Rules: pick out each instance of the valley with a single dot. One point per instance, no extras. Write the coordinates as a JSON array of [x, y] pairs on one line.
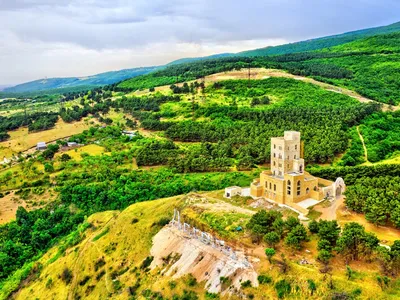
[[90, 215]]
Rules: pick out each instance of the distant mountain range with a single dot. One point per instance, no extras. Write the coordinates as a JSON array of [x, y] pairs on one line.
[[2, 87], [62, 85], [74, 82]]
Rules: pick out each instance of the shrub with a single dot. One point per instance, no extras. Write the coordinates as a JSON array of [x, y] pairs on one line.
[[99, 263], [66, 275], [246, 284], [191, 281], [84, 280], [282, 288], [172, 284], [146, 263], [313, 226], [49, 283], [264, 279]]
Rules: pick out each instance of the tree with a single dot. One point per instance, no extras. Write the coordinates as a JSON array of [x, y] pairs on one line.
[[313, 226], [48, 167], [349, 272], [291, 223], [311, 286], [262, 222], [324, 256], [355, 241], [383, 281], [271, 238], [324, 245], [269, 252], [296, 236], [65, 157], [329, 231]]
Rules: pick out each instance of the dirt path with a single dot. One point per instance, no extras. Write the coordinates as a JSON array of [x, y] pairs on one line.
[[362, 141], [329, 213]]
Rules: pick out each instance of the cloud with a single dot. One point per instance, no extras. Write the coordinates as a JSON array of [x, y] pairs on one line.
[[80, 37]]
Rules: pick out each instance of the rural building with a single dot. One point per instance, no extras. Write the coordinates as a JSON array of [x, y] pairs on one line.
[[287, 183], [72, 144], [233, 191], [41, 146], [131, 134]]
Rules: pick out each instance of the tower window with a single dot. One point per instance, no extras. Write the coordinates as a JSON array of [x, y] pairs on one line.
[[294, 156], [298, 188], [275, 187], [307, 191], [266, 184], [274, 146], [289, 187], [270, 185], [295, 147], [274, 155]]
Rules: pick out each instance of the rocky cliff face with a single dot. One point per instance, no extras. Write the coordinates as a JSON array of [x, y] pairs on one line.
[[179, 253]]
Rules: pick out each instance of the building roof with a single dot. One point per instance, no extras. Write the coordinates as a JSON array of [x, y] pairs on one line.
[[41, 144]]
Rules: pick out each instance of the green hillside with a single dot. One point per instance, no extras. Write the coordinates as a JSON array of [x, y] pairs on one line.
[[324, 42]]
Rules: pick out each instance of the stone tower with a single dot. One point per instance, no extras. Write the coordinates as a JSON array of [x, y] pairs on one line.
[[285, 154]]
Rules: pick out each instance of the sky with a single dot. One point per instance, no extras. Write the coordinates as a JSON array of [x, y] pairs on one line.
[[61, 38]]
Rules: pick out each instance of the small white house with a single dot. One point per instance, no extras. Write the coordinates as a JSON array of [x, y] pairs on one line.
[[41, 146], [72, 144], [131, 134], [232, 191]]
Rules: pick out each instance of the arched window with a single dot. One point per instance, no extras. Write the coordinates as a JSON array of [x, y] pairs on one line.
[[294, 156], [274, 146], [289, 188], [315, 188], [307, 190], [301, 169], [298, 188], [275, 187], [274, 163], [266, 184], [270, 185]]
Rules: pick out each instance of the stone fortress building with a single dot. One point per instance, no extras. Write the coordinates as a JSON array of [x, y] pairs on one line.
[[287, 183]]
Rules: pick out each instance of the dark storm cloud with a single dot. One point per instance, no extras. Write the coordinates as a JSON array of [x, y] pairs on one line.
[[58, 38]]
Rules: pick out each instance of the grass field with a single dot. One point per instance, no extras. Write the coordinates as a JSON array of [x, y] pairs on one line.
[[21, 140], [10, 203], [92, 149]]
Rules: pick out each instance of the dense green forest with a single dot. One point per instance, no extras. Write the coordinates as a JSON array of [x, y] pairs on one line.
[[321, 43], [381, 132], [369, 66], [376, 197]]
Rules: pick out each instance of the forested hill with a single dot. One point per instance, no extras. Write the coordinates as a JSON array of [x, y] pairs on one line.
[[74, 82], [324, 42]]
